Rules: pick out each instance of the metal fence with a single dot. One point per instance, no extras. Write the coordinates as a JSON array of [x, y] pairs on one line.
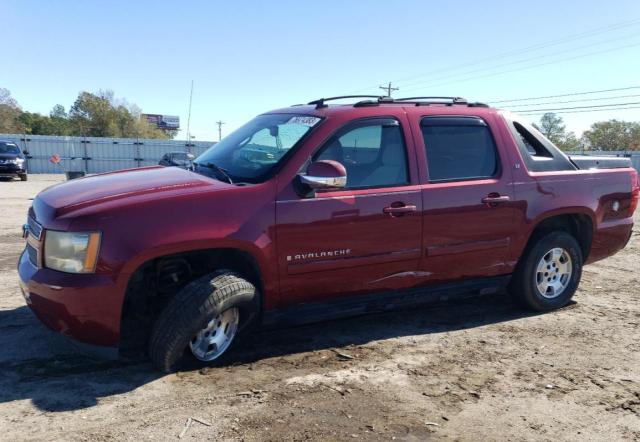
[[94, 154], [632, 155]]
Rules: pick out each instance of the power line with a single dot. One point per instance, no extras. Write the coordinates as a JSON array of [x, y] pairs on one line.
[[572, 94], [530, 113], [524, 60], [537, 46], [574, 101], [583, 107], [528, 67], [531, 48]]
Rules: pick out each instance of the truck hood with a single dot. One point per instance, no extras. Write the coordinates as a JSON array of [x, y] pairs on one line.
[[143, 183]]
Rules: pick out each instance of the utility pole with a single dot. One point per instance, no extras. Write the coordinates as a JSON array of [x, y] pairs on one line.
[[220, 123], [189, 119], [389, 89]]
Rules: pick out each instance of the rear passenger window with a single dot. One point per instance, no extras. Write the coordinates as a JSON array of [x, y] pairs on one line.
[[459, 148]]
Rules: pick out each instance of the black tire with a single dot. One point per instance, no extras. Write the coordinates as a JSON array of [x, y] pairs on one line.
[[190, 310], [23, 177], [523, 286]]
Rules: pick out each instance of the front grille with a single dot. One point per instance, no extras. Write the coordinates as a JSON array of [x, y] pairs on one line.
[[33, 254], [34, 228]]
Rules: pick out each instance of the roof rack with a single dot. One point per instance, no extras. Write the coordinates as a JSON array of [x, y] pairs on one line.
[[375, 100], [320, 103]]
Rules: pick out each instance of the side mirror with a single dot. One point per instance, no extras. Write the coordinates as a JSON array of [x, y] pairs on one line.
[[26, 152], [325, 174]]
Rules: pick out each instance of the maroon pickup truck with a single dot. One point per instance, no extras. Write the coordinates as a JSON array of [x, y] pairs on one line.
[[318, 211]]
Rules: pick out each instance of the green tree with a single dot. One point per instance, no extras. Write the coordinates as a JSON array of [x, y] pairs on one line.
[[613, 135], [9, 113], [101, 115], [97, 115], [570, 143], [59, 121], [552, 126]]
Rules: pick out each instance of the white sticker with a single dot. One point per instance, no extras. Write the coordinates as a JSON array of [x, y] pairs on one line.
[[304, 120]]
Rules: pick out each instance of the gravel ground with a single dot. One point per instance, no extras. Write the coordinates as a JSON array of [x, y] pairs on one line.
[[472, 370]]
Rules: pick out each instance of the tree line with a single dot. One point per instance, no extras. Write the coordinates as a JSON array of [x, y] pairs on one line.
[[102, 115], [602, 135], [98, 114]]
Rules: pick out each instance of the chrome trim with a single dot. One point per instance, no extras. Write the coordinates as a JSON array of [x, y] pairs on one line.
[[323, 182], [35, 228], [33, 254]]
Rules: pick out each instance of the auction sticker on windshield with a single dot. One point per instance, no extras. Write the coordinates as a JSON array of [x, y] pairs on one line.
[[304, 120]]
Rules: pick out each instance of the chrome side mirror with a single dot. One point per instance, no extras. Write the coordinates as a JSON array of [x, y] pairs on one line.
[[325, 174]]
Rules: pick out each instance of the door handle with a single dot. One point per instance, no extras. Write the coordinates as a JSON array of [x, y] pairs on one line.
[[493, 198], [396, 210]]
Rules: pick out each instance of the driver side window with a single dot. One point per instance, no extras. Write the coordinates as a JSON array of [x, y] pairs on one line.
[[372, 151]]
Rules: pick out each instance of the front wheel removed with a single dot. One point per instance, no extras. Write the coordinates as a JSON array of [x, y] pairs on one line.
[[200, 323]]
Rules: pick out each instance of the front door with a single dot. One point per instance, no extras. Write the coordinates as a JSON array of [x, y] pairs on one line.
[[363, 238]]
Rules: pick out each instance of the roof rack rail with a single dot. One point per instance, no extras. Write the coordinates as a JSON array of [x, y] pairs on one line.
[[320, 103], [375, 100], [454, 100], [380, 100]]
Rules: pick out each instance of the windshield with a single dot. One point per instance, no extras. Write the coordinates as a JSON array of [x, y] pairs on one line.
[[250, 152], [9, 148]]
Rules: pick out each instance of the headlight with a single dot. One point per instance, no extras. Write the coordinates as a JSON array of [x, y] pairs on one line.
[[71, 252]]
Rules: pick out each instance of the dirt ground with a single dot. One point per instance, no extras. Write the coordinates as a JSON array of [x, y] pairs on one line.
[[472, 370]]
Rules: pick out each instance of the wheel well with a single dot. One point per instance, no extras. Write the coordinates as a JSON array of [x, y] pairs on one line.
[[579, 226], [156, 281]]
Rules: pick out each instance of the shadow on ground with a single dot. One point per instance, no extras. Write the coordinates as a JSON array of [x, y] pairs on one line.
[[57, 378]]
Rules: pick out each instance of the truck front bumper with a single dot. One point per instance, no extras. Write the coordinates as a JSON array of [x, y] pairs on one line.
[[84, 308]]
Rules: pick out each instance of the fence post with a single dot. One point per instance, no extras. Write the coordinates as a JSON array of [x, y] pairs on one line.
[[26, 156], [85, 155]]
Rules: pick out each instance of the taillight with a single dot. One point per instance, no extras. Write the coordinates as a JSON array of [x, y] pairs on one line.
[[635, 192]]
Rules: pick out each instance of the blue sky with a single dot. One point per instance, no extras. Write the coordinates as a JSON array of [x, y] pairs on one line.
[[246, 57]]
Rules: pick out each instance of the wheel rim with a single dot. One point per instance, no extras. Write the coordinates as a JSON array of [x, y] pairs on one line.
[[553, 273], [214, 339]]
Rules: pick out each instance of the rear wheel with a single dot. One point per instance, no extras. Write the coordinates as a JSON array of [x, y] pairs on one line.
[[23, 177], [199, 324], [549, 272]]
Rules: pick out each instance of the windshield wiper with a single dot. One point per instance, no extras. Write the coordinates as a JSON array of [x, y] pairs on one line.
[[222, 171]]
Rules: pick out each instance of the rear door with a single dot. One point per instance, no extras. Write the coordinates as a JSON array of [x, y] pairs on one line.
[[468, 220], [360, 239]]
